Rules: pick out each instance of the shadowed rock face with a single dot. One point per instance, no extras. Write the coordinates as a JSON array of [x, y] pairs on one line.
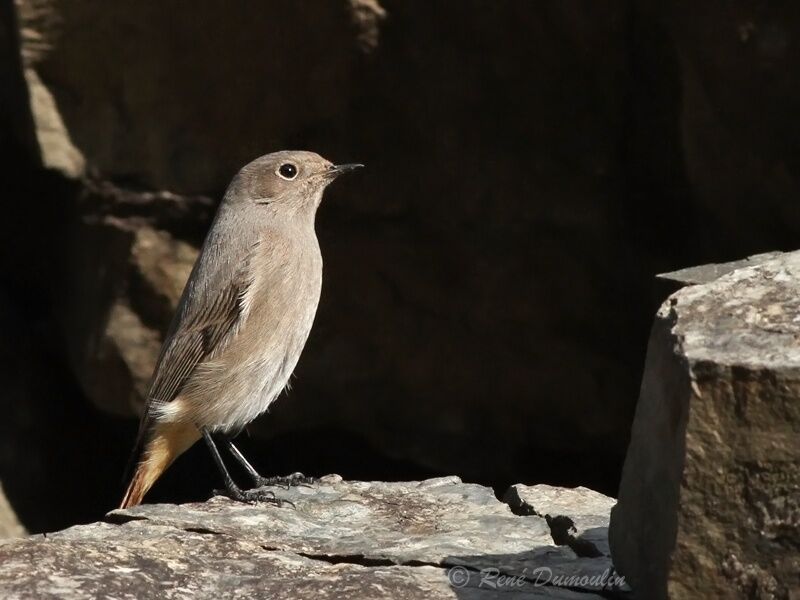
[[438, 538], [488, 277], [708, 504]]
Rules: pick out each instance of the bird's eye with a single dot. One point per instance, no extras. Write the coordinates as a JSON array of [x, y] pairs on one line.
[[287, 171]]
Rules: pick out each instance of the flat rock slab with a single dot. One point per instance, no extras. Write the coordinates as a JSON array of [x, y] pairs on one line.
[[439, 538], [711, 272]]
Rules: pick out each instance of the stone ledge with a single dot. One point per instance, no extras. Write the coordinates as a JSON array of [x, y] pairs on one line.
[[439, 538]]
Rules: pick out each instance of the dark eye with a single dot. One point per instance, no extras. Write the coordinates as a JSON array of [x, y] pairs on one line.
[[287, 171]]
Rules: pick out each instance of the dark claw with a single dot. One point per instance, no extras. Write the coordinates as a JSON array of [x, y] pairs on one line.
[[287, 481], [254, 496]]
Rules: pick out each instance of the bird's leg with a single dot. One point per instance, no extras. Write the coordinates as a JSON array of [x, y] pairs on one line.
[[251, 470], [232, 490], [259, 480]]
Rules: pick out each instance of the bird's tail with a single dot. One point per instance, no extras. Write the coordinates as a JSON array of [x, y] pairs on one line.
[[163, 444]]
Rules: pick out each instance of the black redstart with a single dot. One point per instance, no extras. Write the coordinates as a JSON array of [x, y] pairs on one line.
[[242, 321]]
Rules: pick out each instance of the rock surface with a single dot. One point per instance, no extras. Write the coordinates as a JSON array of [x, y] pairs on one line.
[[710, 272], [709, 504], [577, 517], [438, 538]]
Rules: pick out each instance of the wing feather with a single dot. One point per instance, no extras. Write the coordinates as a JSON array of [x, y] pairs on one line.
[[206, 318], [194, 334], [192, 342]]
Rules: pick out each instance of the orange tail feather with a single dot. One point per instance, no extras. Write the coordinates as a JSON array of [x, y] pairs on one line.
[[166, 443]]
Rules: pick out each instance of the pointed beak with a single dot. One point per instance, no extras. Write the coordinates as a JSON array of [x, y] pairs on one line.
[[337, 170]]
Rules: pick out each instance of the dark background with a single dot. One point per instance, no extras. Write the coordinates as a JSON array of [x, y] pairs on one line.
[[489, 280]]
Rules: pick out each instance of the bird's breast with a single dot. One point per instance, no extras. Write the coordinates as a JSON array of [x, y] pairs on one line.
[[281, 301]]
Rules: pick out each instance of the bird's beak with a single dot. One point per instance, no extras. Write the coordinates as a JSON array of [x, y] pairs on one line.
[[336, 170]]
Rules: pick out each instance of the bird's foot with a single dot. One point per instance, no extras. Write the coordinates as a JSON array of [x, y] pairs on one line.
[[286, 481], [253, 496]]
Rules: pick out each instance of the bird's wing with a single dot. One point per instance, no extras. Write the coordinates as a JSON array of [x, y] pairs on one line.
[[206, 317], [194, 338]]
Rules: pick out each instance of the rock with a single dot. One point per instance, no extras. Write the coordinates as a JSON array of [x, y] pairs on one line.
[[577, 517], [669, 283], [708, 273], [10, 527], [368, 16], [55, 146], [438, 538], [709, 504], [127, 272]]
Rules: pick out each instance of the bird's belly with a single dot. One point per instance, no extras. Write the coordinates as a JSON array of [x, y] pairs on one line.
[[252, 390], [232, 389]]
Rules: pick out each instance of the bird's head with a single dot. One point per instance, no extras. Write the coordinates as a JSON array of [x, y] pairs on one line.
[[291, 179]]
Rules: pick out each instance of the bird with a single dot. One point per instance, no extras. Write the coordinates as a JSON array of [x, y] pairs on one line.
[[241, 323]]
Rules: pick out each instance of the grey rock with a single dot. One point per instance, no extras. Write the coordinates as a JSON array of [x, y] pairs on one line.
[[577, 517], [709, 504], [439, 538], [710, 272]]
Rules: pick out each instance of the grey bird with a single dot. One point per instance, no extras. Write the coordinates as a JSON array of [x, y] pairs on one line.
[[242, 321]]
